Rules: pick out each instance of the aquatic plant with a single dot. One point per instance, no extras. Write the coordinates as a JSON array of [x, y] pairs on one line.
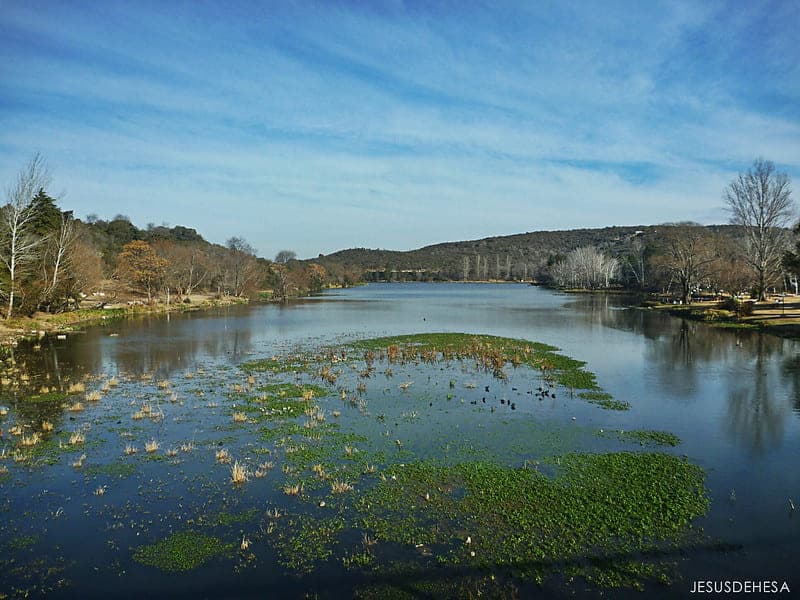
[[239, 417], [47, 426], [130, 449], [293, 489], [93, 396], [181, 551], [75, 407], [222, 456], [239, 473], [30, 440], [77, 438], [151, 446], [340, 487]]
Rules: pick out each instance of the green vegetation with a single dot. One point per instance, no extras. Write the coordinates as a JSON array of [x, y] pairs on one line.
[[275, 365], [645, 437], [181, 551], [492, 352], [598, 507], [604, 400]]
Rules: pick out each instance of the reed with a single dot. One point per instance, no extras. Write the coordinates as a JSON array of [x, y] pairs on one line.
[[238, 473]]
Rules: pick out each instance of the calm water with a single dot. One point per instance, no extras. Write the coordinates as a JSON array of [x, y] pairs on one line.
[[732, 397]]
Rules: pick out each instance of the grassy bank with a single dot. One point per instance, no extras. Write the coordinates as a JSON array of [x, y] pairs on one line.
[[770, 316], [40, 324]]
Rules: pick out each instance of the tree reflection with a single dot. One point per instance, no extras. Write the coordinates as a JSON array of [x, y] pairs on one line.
[[756, 414]]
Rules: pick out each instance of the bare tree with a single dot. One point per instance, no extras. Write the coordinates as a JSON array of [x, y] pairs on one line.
[[586, 268], [636, 261], [62, 243], [284, 256], [16, 232], [466, 268], [760, 200], [242, 266], [688, 257]]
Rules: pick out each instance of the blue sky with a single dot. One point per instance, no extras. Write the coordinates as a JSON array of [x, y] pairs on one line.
[[322, 126]]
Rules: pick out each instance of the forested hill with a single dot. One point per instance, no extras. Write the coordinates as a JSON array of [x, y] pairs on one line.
[[519, 256]]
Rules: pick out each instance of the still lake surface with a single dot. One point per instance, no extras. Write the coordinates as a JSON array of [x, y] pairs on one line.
[[733, 398]]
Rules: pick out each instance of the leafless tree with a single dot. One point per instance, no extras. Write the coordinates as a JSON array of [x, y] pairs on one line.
[[760, 200], [688, 257], [284, 256], [466, 268], [16, 235], [242, 269], [61, 248], [636, 261], [585, 267]]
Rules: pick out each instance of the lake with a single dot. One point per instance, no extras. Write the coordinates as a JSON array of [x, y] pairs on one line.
[[732, 397]]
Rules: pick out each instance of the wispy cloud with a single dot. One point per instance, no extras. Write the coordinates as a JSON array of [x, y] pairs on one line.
[[319, 126]]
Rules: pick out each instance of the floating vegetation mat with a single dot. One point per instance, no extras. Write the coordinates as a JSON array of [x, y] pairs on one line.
[[441, 465]]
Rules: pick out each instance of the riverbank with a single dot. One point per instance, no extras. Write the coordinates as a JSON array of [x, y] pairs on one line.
[[40, 324], [776, 315]]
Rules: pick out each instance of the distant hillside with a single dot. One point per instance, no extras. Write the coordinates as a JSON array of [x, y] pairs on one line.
[[519, 256]]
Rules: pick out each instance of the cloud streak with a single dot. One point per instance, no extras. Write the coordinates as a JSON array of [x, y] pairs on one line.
[[322, 126]]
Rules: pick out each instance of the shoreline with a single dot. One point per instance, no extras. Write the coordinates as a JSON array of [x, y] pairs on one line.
[[39, 325], [781, 320], [774, 318]]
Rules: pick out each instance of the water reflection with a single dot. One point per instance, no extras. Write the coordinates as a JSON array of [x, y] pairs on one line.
[[754, 379]]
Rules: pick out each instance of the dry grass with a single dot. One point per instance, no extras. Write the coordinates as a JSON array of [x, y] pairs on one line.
[[100, 490], [239, 417], [138, 415], [78, 464], [113, 382], [187, 447], [336, 414], [163, 384], [30, 440], [293, 490], [76, 388], [130, 449], [308, 395], [3, 411], [77, 438], [239, 473], [341, 487], [15, 430], [171, 452], [94, 396], [76, 407], [251, 380], [245, 544], [223, 456], [47, 426], [151, 446]]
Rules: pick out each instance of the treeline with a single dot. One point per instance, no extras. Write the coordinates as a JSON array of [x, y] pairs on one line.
[[753, 253], [52, 261]]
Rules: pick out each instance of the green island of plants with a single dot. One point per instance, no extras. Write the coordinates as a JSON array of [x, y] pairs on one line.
[[181, 551]]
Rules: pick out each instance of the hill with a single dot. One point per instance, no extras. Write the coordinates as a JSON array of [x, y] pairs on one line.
[[520, 256]]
